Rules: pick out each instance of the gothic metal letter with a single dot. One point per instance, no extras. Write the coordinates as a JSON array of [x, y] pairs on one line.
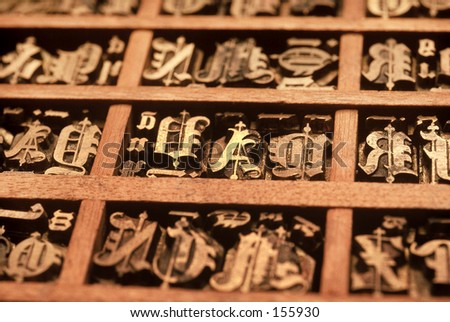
[[129, 248], [172, 63], [391, 63], [395, 145], [76, 145], [236, 153]]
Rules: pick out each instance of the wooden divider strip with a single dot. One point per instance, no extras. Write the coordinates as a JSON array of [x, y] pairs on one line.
[[205, 191], [211, 23], [77, 261], [92, 212], [9, 291], [109, 149], [353, 9], [149, 8], [336, 265], [250, 97], [135, 58]]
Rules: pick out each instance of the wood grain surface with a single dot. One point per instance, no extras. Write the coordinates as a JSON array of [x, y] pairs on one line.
[[228, 192], [110, 146], [250, 97], [335, 278], [135, 58], [85, 238], [211, 23], [54, 292]]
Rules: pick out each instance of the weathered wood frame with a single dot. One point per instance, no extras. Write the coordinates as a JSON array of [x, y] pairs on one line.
[[340, 195]]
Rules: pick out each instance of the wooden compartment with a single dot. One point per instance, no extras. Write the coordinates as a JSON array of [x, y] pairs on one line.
[[339, 196]]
